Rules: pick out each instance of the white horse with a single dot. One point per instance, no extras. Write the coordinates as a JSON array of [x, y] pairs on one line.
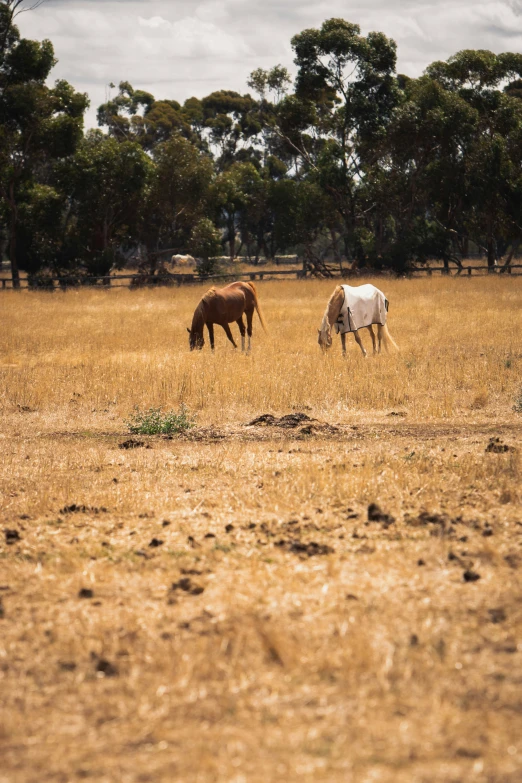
[[351, 308], [179, 260]]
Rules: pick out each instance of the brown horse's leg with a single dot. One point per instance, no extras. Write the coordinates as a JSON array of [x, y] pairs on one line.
[[359, 343], [228, 333], [243, 331], [374, 344], [210, 328], [250, 316], [343, 342]]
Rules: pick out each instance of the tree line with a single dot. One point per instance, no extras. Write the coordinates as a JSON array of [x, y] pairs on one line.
[[349, 163]]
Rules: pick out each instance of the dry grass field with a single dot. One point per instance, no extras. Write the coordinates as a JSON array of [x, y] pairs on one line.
[[228, 606]]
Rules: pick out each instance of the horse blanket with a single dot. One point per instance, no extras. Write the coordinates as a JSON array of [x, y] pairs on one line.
[[363, 305]]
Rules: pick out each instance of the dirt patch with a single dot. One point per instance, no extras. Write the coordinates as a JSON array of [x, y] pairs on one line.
[[134, 444], [12, 536], [76, 508], [497, 446], [103, 667], [376, 514], [187, 585], [309, 549]]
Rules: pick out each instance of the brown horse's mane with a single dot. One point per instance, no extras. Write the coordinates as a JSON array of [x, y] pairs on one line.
[[200, 313]]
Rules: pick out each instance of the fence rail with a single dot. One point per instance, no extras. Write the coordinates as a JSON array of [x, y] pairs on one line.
[[138, 281]]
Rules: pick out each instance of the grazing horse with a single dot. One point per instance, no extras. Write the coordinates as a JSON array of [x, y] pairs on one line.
[[223, 306], [351, 308], [179, 260]]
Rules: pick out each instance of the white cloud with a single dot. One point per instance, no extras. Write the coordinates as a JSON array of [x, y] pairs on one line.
[[212, 11], [153, 22]]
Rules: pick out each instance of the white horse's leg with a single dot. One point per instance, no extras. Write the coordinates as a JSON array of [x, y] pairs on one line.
[[374, 344], [343, 343], [379, 335], [359, 343]]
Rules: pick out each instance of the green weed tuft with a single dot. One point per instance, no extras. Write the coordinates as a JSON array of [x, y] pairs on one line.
[[154, 422]]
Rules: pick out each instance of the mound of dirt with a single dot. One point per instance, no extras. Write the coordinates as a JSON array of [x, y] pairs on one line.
[[301, 422], [291, 420]]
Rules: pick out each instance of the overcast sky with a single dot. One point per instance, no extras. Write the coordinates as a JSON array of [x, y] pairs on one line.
[[179, 48]]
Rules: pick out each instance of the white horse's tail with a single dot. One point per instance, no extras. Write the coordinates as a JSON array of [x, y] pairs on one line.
[[387, 338]]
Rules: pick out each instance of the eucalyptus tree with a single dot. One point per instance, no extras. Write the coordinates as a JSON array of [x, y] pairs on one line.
[[136, 115], [236, 194], [230, 124], [345, 94], [106, 183], [177, 196], [38, 123], [492, 160], [418, 184]]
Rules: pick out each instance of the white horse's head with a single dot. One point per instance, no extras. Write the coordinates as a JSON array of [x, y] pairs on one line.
[[325, 337]]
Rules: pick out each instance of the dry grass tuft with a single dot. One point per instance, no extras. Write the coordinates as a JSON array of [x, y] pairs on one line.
[[220, 606]]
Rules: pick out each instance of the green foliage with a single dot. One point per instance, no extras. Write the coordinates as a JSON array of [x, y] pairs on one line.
[[135, 115], [178, 194], [38, 125], [205, 242], [154, 422], [106, 181], [277, 81]]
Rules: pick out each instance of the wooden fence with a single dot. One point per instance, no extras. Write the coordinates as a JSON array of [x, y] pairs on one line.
[[137, 281]]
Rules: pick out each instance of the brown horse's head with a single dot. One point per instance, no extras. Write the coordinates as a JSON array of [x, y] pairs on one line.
[[196, 340], [325, 339]]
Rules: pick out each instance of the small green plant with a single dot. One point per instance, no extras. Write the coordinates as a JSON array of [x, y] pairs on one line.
[[156, 422], [517, 407]]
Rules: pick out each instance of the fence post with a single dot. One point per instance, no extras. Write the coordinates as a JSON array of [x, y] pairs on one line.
[[469, 271]]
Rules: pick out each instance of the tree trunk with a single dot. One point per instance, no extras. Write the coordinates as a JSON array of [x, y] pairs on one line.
[[232, 241], [491, 254], [510, 255], [15, 273], [336, 250]]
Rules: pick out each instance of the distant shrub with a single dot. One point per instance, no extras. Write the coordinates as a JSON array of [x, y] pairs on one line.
[[156, 422]]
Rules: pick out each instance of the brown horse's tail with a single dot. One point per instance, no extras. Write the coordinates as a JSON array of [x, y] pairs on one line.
[[256, 305]]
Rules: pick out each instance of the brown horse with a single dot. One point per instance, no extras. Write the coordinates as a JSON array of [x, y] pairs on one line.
[[223, 306]]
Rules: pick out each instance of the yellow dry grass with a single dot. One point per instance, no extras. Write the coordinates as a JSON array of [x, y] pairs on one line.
[[275, 632]]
